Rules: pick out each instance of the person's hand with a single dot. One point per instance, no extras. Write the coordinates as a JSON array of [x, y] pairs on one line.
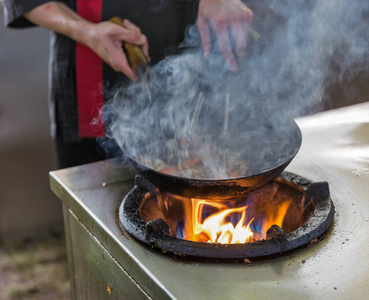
[[106, 38], [227, 18]]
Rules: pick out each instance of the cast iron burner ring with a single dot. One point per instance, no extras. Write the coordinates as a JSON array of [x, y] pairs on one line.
[[317, 216]]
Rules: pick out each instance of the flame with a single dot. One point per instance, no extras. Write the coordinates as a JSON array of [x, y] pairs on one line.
[[229, 225]]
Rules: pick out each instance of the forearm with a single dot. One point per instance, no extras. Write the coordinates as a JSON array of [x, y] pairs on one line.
[[58, 17], [104, 38]]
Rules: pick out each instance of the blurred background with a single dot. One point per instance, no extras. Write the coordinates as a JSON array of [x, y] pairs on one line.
[[33, 262], [27, 206], [32, 250]]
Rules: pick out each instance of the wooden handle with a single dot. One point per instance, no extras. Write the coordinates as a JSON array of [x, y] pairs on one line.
[[135, 56]]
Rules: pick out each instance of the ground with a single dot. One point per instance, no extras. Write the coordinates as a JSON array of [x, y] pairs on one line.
[[34, 269]]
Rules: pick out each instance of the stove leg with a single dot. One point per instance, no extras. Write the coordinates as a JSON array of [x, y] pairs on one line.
[[68, 241]]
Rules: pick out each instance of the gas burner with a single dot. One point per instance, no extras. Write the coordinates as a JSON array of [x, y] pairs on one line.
[[158, 218]]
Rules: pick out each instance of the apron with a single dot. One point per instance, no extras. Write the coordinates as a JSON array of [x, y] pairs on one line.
[[162, 21]]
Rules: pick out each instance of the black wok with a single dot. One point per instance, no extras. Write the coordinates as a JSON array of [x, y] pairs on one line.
[[274, 143]]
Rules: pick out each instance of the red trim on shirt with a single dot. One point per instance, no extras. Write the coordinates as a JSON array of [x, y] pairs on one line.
[[89, 77]]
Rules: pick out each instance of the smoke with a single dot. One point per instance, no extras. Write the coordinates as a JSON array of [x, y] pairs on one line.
[[305, 47], [320, 43]]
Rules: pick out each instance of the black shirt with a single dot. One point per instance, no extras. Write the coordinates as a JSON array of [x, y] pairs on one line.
[[162, 21]]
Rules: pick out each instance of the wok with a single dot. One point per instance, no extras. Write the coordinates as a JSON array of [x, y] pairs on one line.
[[271, 142]]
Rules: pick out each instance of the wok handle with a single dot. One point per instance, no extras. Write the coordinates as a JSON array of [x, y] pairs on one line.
[[135, 56]]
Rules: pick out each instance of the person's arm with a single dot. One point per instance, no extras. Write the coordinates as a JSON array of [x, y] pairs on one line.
[[226, 18], [104, 38]]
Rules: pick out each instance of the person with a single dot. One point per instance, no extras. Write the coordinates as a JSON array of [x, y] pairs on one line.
[[87, 56]]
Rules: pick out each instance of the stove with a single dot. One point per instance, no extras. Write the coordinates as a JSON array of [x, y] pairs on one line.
[[107, 262]]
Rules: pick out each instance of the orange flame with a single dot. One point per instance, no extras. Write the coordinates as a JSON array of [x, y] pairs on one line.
[[218, 226]]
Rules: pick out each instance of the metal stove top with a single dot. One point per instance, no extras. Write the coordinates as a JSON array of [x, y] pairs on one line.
[[335, 148]]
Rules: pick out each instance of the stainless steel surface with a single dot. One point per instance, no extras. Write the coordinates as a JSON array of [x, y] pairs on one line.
[[335, 148], [96, 271]]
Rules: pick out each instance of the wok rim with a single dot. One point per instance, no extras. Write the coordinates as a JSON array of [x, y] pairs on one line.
[[141, 168]]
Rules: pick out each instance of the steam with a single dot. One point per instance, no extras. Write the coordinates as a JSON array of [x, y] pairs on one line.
[[284, 74]]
